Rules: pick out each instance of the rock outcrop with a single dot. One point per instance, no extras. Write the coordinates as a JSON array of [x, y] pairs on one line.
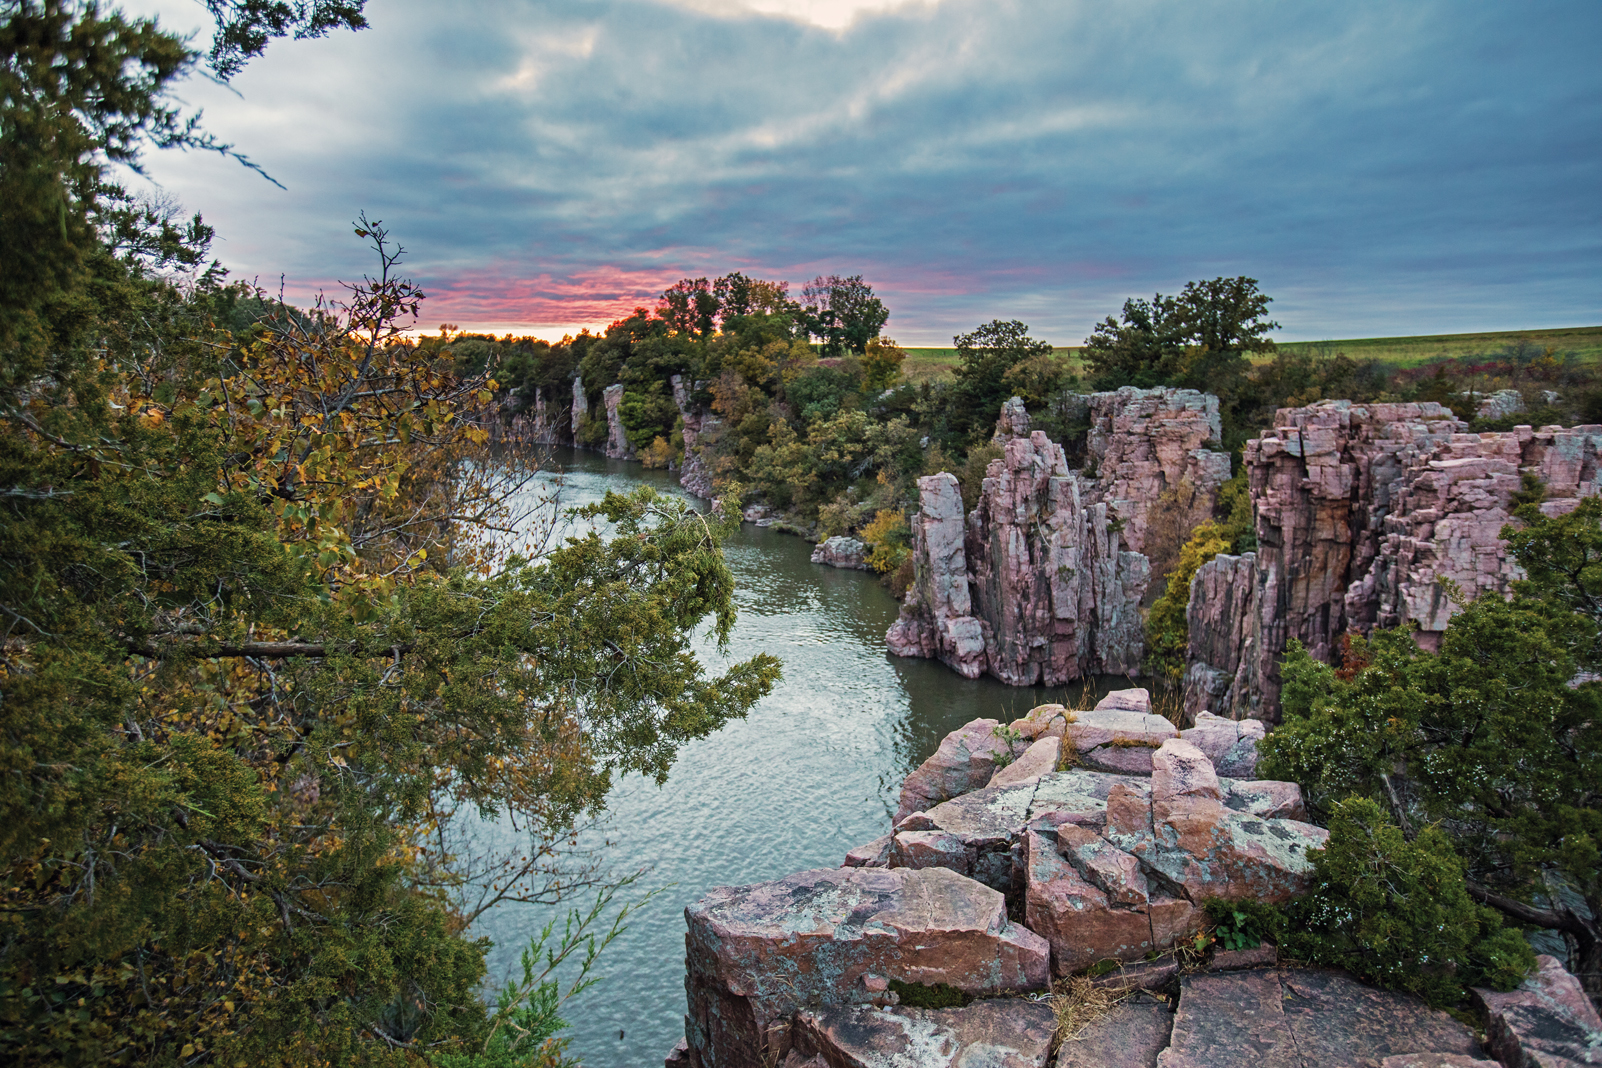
[[1361, 512], [617, 440], [1109, 859], [834, 938], [1034, 586], [693, 475], [1042, 582], [842, 551], [811, 971]]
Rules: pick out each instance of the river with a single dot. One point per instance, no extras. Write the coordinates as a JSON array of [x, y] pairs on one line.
[[814, 770]]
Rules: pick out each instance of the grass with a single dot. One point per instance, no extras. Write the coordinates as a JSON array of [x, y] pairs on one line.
[[1077, 1003], [1584, 342]]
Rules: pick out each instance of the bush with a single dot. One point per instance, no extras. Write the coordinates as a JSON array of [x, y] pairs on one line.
[[1167, 629], [889, 538], [1398, 913]]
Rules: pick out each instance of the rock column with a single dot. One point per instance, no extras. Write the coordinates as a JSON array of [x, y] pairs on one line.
[[617, 442]]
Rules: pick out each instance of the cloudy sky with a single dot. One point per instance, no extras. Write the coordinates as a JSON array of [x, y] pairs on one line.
[[1381, 168]]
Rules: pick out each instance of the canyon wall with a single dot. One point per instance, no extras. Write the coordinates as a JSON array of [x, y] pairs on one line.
[[1043, 580], [1361, 512]]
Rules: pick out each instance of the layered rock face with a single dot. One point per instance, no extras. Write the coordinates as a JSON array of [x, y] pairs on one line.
[[1043, 581], [694, 475], [1146, 442], [1035, 585], [1362, 510]]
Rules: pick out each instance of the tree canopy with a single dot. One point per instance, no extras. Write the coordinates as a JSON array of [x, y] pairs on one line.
[[261, 653]]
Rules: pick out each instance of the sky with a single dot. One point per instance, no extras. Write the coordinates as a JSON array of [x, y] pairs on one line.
[[1382, 169]]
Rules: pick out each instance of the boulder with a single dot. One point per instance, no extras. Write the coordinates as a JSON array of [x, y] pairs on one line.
[[1118, 739], [986, 1034], [679, 1056], [929, 849], [965, 761], [1074, 916], [842, 551], [757, 954], [1041, 758], [1045, 720], [1230, 744], [1547, 1022], [1132, 700], [1179, 770], [876, 854], [988, 822], [1265, 799], [1193, 841]]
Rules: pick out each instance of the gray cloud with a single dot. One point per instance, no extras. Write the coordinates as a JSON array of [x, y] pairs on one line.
[[1381, 168]]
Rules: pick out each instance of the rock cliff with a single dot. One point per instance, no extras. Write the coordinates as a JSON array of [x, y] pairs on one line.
[[693, 475], [580, 409], [617, 440], [1043, 580], [1361, 512]]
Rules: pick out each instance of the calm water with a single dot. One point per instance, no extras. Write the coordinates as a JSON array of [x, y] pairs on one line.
[[813, 771]]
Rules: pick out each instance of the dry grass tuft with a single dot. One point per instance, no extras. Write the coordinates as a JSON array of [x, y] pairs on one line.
[[1078, 1002]]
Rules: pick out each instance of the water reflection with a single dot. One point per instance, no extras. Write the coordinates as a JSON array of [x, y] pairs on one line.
[[813, 771]]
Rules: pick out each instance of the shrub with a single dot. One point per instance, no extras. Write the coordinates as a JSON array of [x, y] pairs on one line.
[[1167, 630], [889, 539], [658, 454], [1398, 913]]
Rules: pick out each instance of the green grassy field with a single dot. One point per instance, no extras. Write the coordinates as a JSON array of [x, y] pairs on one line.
[[1584, 342]]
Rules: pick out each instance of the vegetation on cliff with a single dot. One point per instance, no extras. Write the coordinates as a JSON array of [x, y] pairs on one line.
[[1493, 744]]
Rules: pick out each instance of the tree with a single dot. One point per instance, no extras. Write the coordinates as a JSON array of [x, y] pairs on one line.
[[1496, 739], [689, 307], [1144, 349], [985, 356], [257, 650], [843, 313], [245, 26], [1198, 339]]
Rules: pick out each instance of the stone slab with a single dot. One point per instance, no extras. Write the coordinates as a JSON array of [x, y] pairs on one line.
[[1130, 1036], [1011, 1033], [1337, 1020]]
